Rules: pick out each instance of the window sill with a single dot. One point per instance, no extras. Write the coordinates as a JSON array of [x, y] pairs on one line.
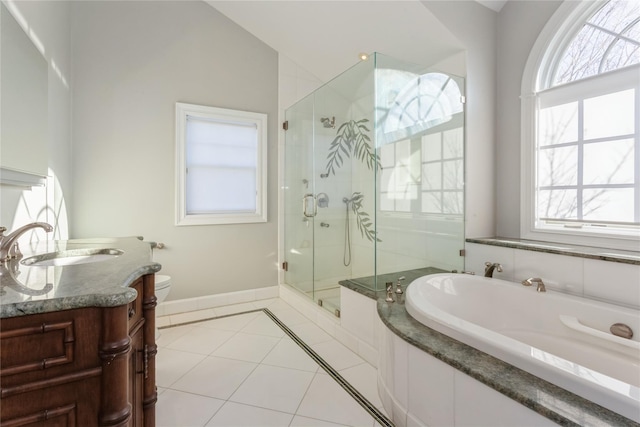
[[221, 219], [613, 255], [21, 179]]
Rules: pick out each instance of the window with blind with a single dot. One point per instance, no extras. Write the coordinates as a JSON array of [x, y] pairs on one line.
[[221, 166]]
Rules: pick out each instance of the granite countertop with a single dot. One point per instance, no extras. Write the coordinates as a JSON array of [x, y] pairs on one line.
[[613, 255], [549, 400], [28, 290]]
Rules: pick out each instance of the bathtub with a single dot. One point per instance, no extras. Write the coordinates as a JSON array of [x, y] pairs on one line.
[[560, 338]]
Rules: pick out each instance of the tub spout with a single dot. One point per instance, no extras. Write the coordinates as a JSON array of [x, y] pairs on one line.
[[489, 267], [9, 243], [539, 283]]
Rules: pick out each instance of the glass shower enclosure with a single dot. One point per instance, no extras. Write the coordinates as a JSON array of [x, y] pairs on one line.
[[373, 179]]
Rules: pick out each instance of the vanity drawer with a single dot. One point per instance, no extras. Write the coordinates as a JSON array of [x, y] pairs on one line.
[[70, 404], [135, 307], [39, 346]]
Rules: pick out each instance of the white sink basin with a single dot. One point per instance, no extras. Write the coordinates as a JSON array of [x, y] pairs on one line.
[[72, 257]]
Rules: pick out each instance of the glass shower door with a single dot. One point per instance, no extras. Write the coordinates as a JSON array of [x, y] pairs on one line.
[[299, 204], [332, 183], [314, 212], [329, 194]]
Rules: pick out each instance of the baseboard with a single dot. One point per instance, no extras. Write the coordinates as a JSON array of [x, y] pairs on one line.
[[172, 307]]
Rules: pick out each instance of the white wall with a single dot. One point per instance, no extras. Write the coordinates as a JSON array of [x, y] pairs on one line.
[[519, 24], [474, 25], [47, 24], [132, 61]]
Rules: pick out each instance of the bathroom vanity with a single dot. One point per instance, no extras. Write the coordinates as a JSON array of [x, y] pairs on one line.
[[77, 335]]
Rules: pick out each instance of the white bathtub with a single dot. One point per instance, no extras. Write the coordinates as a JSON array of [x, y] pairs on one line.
[[560, 338]]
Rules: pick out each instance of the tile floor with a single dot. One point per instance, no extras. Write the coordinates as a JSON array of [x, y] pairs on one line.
[[243, 370]]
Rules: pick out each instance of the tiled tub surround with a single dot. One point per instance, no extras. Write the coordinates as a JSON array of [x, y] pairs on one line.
[[613, 255], [602, 274], [532, 330], [99, 284], [427, 378]]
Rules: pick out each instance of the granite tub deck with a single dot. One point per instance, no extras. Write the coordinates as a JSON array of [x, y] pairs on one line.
[[366, 285], [26, 290], [613, 255], [549, 400]]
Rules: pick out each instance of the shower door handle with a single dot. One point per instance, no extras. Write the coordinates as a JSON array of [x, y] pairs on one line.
[[305, 205]]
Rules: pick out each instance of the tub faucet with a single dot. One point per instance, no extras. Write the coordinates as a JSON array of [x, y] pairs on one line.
[[540, 284], [489, 267], [9, 244]]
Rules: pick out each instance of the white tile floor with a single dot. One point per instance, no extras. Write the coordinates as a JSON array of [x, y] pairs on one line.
[[243, 370]]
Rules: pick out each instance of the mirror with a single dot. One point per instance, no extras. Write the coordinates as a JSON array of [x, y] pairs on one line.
[[23, 103]]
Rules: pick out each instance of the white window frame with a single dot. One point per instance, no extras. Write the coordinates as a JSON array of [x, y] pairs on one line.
[[550, 42], [223, 115]]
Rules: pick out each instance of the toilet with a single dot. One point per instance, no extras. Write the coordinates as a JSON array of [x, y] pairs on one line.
[[163, 286]]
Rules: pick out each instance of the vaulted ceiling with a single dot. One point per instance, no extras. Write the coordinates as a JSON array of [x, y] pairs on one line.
[[325, 37]]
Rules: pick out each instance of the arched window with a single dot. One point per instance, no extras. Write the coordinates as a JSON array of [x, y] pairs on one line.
[[581, 120]]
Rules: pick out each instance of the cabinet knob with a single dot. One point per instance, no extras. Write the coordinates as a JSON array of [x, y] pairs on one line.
[[132, 312]]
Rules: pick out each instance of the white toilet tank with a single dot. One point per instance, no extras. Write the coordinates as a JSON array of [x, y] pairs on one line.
[[163, 286]]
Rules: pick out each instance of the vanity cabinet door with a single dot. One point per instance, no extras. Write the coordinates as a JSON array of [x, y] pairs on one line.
[[39, 347], [49, 369], [75, 403]]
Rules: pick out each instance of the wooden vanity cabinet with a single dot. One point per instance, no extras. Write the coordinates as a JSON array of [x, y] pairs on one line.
[[81, 367]]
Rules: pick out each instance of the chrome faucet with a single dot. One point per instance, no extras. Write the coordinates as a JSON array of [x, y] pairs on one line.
[[540, 284], [489, 267], [399, 286], [9, 244]]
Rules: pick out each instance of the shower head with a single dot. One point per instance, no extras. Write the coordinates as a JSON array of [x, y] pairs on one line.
[[328, 122]]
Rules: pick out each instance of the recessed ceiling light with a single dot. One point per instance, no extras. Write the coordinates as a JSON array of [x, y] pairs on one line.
[[363, 56]]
